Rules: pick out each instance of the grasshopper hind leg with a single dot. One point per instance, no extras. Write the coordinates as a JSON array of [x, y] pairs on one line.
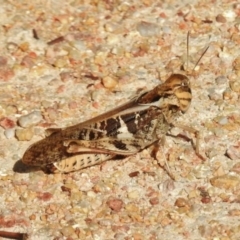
[[77, 162]]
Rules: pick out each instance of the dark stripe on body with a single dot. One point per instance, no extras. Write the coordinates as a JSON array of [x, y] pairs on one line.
[[119, 145]]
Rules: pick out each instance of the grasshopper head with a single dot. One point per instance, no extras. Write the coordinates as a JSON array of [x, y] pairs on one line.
[[179, 86]]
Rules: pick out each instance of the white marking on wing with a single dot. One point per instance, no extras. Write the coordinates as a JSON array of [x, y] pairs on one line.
[[123, 130]]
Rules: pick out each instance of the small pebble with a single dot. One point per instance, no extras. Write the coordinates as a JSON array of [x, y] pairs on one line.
[[235, 86], [233, 152], [79, 45], [44, 196], [225, 181], [51, 209], [68, 231], [230, 15], [133, 174], [236, 168], [12, 47], [91, 194], [223, 120], [110, 27], [221, 80], [51, 113], [113, 39], [181, 202], [96, 95], [72, 105], [66, 76], [154, 201], [7, 123], [105, 222], [9, 133], [236, 63], [3, 61], [27, 62], [147, 29], [11, 109], [133, 194], [234, 212], [220, 18], [115, 204], [30, 119], [214, 95], [61, 62], [109, 82], [24, 134]]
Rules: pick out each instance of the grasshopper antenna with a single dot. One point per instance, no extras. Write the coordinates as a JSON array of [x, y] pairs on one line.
[[188, 36], [187, 48], [201, 57]]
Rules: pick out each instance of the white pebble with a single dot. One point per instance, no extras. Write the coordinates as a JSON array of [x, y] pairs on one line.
[[113, 39], [133, 194], [110, 27], [147, 29], [9, 133], [30, 119], [230, 15], [91, 194], [223, 120], [79, 45]]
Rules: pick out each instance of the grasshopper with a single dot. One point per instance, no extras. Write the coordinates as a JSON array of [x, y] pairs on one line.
[[124, 130]]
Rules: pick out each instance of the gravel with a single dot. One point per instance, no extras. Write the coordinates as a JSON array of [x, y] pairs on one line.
[[63, 62]]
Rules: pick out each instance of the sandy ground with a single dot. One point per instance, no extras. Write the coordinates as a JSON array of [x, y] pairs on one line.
[[63, 62]]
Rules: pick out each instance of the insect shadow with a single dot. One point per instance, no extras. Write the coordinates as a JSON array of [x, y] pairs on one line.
[[20, 167]]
